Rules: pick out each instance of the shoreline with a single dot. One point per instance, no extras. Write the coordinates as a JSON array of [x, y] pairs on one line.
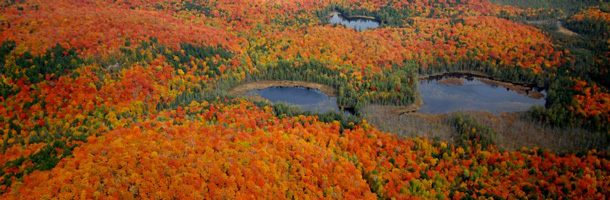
[[528, 91], [521, 88], [558, 24], [475, 74], [257, 85], [349, 17]]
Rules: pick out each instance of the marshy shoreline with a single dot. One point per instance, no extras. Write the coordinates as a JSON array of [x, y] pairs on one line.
[[242, 89]]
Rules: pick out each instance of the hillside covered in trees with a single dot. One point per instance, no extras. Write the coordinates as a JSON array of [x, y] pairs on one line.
[[128, 99]]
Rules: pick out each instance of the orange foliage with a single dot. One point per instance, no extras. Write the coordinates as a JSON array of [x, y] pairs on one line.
[[100, 28], [245, 154], [592, 101], [593, 13], [235, 150], [492, 40], [241, 151]]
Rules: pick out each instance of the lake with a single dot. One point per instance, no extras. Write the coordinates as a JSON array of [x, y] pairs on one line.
[[442, 94], [358, 24], [307, 99], [450, 94]]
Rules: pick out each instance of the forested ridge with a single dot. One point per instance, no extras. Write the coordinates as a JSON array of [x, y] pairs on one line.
[[128, 99]]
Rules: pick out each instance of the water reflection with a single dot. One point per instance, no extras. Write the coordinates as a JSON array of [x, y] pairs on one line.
[[358, 24], [471, 94], [307, 99]]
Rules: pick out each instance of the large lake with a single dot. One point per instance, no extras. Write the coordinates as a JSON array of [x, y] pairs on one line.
[[358, 24], [308, 99], [442, 96]]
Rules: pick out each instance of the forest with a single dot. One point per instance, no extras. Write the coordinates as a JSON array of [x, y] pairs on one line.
[[128, 99]]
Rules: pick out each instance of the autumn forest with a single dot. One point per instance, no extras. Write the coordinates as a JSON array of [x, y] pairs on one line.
[[135, 99]]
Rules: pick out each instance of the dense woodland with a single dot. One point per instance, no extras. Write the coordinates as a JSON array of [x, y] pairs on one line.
[[128, 99]]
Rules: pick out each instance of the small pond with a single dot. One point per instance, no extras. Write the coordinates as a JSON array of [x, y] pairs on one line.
[[358, 24], [307, 99], [448, 94]]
